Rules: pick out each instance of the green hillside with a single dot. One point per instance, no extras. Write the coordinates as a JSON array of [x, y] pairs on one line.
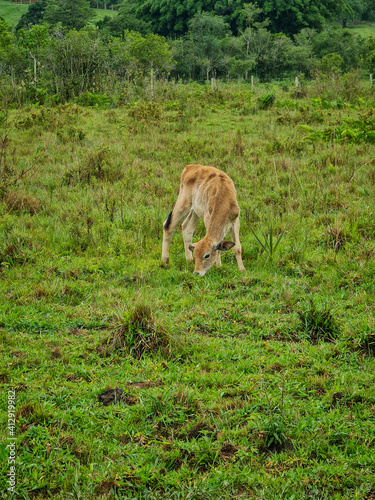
[[12, 12]]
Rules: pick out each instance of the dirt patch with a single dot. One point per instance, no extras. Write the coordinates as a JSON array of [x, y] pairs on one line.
[[244, 395], [114, 396], [106, 486], [338, 398], [56, 352], [228, 451], [67, 441], [320, 391], [44, 492], [129, 399], [75, 331], [370, 495], [176, 465], [26, 411]]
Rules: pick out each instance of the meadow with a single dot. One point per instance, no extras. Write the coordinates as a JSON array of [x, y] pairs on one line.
[[256, 385], [11, 12]]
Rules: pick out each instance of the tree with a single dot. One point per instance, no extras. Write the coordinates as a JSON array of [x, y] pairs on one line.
[[331, 64], [288, 16], [77, 61], [11, 60], [34, 15], [33, 40], [339, 41], [104, 4], [72, 14], [206, 33], [124, 21], [291, 16], [368, 13], [152, 52], [368, 54], [249, 13]]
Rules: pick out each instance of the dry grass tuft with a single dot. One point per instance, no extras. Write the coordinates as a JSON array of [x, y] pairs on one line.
[[22, 203]]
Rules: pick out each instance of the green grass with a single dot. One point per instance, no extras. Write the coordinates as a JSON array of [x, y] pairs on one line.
[[11, 11], [263, 383], [364, 29], [100, 13]]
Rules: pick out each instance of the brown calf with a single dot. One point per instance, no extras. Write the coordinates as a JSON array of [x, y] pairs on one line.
[[209, 194]]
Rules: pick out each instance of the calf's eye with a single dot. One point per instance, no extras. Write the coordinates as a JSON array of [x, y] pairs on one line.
[[206, 256]]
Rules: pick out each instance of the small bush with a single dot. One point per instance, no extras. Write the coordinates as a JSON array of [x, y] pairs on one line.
[[71, 134], [267, 100], [146, 111], [274, 434], [319, 324], [49, 118]]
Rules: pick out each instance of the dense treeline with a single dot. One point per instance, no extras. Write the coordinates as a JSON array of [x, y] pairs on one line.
[[54, 50]]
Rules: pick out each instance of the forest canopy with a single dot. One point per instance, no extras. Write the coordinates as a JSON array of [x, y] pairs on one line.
[[58, 49]]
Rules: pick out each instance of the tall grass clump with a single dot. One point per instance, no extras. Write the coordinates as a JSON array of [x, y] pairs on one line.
[[269, 244], [138, 334], [319, 323]]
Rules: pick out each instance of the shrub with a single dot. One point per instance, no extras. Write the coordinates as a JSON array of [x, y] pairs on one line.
[[145, 111], [267, 100]]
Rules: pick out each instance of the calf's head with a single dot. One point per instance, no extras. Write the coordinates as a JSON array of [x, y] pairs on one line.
[[205, 254]]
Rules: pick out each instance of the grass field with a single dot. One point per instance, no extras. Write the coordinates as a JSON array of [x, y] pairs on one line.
[[11, 12], [363, 29], [255, 385]]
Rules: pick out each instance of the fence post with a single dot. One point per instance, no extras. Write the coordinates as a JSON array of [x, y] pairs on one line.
[[252, 83], [371, 80], [296, 82]]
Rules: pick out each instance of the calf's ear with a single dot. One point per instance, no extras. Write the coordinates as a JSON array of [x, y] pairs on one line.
[[191, 247], [224, 246]]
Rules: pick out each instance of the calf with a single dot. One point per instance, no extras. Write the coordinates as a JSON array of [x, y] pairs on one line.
[[209, 194]]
